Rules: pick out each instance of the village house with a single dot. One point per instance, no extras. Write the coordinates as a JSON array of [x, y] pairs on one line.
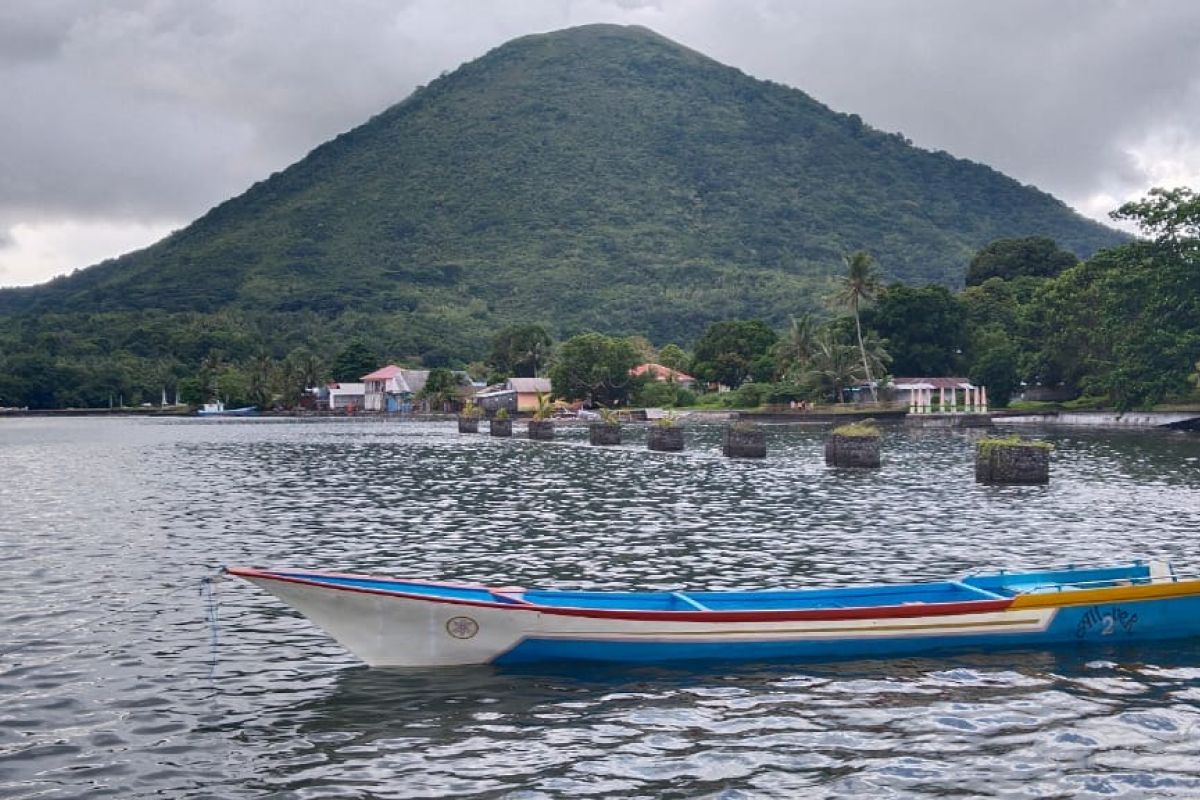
[[341, 397], [664, 374], [392, 388], [527, 390], [516, 395]]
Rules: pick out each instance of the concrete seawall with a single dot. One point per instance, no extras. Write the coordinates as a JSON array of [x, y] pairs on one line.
[[1179, 420]]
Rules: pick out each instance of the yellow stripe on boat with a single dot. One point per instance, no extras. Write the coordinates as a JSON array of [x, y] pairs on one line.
[[1107, 594]]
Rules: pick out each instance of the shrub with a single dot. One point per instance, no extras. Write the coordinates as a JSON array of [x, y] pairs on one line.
[[986, 445], [864, 428], [656, 393], [786, 392], [545, 409], [715, 400], [751, 395], [1086, 403]]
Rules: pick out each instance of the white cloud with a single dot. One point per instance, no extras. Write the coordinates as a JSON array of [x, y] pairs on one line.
[[33, 251]]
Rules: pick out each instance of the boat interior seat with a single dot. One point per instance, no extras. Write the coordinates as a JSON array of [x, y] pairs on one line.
[[1162, 572]]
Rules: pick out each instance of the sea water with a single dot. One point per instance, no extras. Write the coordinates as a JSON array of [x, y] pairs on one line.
[[125, 675]]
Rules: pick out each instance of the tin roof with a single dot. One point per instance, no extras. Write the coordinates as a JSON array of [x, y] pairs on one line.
[[415, 379], [932, 383], [382, 374], [530, 385]]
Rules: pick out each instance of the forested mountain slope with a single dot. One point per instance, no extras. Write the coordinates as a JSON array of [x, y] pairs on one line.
[[599, 177]]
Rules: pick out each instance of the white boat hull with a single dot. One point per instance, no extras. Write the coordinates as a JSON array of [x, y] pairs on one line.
[[385, 630]]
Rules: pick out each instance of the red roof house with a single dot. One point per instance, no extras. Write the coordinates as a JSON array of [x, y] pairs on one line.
[[660, 373]]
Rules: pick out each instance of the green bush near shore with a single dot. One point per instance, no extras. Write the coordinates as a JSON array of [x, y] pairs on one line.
[[1092, 404]]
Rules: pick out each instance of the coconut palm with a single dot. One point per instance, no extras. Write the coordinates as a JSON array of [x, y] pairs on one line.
[[312, 370], [164, 373], [832, 366], [859, 286], [794, 350], [878, 358], [262, 372], [211, 367]]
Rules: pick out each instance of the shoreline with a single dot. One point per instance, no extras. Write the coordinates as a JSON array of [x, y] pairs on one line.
[[1130, 420]]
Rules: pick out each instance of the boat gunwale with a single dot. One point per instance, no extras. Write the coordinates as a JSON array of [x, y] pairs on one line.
[[907, 609]]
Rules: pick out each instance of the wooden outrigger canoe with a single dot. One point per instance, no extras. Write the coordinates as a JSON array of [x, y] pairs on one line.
[[391, 622]]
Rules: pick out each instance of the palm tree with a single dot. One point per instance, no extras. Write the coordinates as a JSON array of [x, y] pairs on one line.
[[164, 373], [299, 372], [831, 368], [537, 353], [878, 358], [794, 350], [261, 372], [312, 371], [860, 285], [210, 373]]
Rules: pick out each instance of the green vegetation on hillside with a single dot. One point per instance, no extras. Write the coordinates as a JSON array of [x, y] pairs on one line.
[[598, 178], [606, 179], [1120, 329]]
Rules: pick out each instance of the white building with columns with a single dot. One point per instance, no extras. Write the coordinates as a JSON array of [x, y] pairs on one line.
[[941, 395]]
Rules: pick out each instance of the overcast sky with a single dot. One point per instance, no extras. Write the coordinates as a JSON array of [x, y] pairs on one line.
[[125, 119]]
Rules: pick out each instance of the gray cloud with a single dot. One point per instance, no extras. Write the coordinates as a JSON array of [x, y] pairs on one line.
[[1051, 93], [152, 111]]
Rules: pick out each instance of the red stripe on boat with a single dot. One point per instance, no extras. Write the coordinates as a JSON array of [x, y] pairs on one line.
[[858, 612]]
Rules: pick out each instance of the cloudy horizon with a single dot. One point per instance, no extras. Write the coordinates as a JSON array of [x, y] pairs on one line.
[[130, 119]]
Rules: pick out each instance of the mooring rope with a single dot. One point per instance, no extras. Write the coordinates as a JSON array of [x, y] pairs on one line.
[[133, 605]]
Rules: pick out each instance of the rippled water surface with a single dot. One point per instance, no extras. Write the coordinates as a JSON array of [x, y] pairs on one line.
[[113, 682]]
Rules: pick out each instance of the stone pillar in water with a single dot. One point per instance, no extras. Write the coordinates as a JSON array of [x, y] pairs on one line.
[[665, 438], [1012, 461], [541, 429], [744, 440], [604, 433], [853, 445]]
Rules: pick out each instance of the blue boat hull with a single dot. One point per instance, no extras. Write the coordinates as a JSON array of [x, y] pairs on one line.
[[1107, 624], [391, 622]]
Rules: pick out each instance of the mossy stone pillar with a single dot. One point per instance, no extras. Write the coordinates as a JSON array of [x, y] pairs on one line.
[[604, 434], [1003, 461], [541, 429], [468, 424], [665, 438], [852, 451], [501, 427], [744, 441]]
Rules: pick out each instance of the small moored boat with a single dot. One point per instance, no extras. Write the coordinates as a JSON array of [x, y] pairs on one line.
[[391, 622], [218, 409]]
